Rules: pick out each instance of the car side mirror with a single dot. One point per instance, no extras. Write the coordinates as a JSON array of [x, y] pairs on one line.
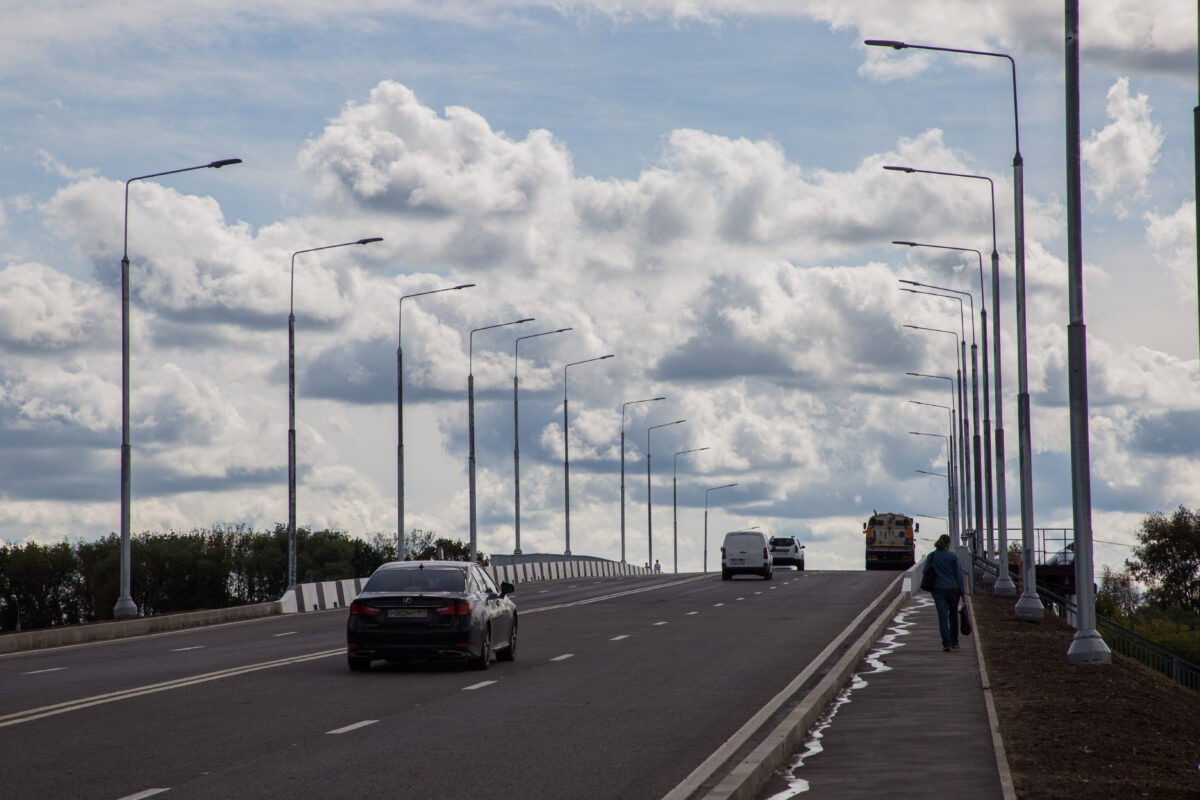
[[507, 588]]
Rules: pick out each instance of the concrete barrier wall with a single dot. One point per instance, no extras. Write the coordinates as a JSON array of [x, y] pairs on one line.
[[323, 596], [338, 594], [120, 629]]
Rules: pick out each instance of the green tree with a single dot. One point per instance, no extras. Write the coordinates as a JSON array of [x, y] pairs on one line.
[[45, 582], [1167, 559], [1118, 597]]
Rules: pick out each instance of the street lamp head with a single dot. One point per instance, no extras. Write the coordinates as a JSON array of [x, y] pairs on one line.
[[904, 242], [895, 168], [224, 162], [885, 43], [370, 240], [462, 286]]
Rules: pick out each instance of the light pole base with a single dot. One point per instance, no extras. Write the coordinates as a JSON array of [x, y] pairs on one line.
[[1088, 648], [125, 608], [517, 552], [1004, 586], [987, 574], [1029, 609]]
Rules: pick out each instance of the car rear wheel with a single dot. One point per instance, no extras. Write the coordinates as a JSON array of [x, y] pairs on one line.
[[485, 653], [358, 663], [509, 653], [726, 575]]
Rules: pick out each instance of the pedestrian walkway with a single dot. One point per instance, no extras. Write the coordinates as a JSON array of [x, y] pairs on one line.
[[912, 723]]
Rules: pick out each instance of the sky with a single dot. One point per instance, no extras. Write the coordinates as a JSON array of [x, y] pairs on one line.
[[695, 187]]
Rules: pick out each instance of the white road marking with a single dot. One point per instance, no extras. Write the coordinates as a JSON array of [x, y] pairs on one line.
[[692, 613], [143, 795], [354, 727], [664, 622], [619, 638], [29, 715], [40, 671], [563, 657], [612, 596], [185, 649], [479, 685], [288, 633], [741, 598], [717, 605], [758, 592]]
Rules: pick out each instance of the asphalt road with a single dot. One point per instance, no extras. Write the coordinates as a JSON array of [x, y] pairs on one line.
[[620, 689]]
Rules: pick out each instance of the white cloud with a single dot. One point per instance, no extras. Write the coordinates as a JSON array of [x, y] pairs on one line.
[[1172, 239], [1121, 157]]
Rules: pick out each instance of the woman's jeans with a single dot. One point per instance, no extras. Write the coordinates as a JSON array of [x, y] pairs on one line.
[[946, 601]]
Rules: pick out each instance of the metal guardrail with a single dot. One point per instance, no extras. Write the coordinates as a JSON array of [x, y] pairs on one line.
[[1119, 638], [1124, 641]]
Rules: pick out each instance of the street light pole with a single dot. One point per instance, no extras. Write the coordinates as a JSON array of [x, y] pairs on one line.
[[400, 549], [675, 499], [517, 439], [952, 473], [567, 453], [963, 416], [649, 502], [707, 492], [1087, 647], [1029, 607], [955, 294], [623, 407], [125, 606], [1004, 585], [952, 512], [292, 557], [471, 425], [949, 485]]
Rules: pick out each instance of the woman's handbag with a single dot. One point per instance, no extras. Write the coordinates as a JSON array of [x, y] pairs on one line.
[[964, 620], [928, 578]]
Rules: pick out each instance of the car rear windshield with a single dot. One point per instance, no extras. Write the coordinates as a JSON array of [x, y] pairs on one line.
[[416, 580], [777, 542]]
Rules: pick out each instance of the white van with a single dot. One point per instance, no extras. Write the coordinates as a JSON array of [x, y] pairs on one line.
[[745, 553]]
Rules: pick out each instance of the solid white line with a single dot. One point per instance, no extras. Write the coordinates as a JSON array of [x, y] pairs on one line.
[[354, 727], [612, 596], [475, 686], [563, 657], [40, 671], [31, 714], [619, 638], [288, 633], [185, 649], [143, 795]]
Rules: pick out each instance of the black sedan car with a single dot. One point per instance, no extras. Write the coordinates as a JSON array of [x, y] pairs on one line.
[[432, 610]]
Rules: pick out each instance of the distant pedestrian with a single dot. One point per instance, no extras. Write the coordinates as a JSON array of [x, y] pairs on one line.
[[948, 590], [657, 567]]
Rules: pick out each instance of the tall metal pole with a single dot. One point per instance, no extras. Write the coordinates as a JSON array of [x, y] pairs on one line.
[[707, 492], [1087, 647], [951, 472], [649, 501], [675, 499], [292, 557], [951, 511], [977, 456], [566, 453], [471, 427], [1004, 585], [517, 439], [400, 549], [1029, 606], [623, 407], [125, 606]]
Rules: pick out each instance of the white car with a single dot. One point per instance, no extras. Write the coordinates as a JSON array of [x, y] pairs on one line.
[[745, 553], [786, 551]]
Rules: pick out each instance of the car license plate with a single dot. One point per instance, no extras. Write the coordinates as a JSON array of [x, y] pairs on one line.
[[410, 613], [737, 561]]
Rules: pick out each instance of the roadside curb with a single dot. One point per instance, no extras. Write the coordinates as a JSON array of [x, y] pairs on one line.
[[1006, 782]]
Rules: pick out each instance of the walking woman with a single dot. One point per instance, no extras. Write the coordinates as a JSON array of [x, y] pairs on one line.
[[947, 590]]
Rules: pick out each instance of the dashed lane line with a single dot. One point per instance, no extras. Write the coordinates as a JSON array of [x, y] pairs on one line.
[[185, 649], [143, 794], [479, 685], [619, 638], [563, 657], [364, 723], [43, 671]]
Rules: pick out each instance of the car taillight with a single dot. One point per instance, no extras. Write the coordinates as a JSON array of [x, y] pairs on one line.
[[459, 609], [358, 609], [722, 551]]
